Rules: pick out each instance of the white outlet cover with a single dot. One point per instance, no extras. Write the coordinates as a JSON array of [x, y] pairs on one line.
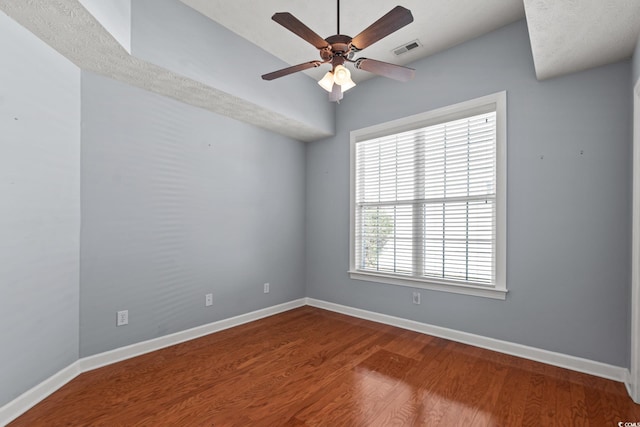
[[266, 288], [122, 318], [208, 300], [416, 297]]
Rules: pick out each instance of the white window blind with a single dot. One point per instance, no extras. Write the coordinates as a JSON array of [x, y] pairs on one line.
[[425, 202]]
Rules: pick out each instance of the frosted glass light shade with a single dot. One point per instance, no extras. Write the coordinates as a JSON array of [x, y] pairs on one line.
[[347, 85], [341, 74], [327, 81], [342, 77]]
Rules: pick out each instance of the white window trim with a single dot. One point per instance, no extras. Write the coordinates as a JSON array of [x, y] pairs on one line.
[[452, 112]]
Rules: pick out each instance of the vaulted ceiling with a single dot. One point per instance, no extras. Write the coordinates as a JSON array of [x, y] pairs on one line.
[[437, 25], [566, 36]]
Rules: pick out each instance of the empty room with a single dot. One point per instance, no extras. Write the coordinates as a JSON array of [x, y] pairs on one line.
[[321, 213]]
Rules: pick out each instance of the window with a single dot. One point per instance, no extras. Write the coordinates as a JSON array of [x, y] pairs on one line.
[[428, 200]]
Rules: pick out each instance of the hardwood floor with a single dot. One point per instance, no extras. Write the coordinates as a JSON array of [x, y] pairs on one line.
[[317, 368]]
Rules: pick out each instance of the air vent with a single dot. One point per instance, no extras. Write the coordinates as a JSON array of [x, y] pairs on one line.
[[413, 44]]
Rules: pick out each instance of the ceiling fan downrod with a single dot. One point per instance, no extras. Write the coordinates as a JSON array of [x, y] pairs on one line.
[[338, 13]]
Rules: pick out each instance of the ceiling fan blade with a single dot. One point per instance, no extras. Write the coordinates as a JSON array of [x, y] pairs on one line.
[[385, 69], [291, 70], [294, 25], [397, 18]]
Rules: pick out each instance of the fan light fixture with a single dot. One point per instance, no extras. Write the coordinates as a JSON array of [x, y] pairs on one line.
[[340, 76], [327, 81], [339, 49]]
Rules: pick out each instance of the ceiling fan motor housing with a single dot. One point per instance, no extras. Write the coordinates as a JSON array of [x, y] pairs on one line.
[[340, 45]]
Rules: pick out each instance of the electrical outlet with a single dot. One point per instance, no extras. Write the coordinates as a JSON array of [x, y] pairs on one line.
[[122, 318], [266, 288], [416, 298], [208, 300]]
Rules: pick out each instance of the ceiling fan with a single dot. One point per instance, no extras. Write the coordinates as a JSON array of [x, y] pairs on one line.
[[340, 48]]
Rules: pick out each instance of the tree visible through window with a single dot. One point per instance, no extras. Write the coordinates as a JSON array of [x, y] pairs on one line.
[[378, 227]]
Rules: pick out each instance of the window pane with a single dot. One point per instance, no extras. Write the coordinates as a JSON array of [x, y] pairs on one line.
[[459, 157], [458, 240], [385, 169], [425, 201], [386, 239]]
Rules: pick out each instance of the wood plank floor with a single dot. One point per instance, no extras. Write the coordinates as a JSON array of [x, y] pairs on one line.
[[317, 368]]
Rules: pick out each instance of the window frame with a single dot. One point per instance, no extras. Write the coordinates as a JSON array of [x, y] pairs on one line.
[[495, 102]]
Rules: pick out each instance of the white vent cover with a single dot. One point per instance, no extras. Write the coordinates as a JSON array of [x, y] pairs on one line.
[[413, 44]]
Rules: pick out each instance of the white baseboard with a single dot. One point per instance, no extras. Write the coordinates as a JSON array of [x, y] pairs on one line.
[[632, 388], [573, 363], [30, 398], [629, 385], [108, 357], [35, 395], [27, 400]]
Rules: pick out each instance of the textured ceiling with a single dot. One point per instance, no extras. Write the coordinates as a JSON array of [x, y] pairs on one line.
[[437, 24], [574, 35], [70, 29], [566, 36]]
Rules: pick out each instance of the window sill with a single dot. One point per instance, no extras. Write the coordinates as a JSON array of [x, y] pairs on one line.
[[477, 291]]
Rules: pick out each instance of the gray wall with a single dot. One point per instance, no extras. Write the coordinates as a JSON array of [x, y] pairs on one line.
[[114, 16], [178, 202], [176, 37], [568, 267], [39, 212], [635, 64]]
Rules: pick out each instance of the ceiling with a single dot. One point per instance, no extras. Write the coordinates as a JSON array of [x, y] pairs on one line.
[[437, 24], [566, 36], [575, 35]]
